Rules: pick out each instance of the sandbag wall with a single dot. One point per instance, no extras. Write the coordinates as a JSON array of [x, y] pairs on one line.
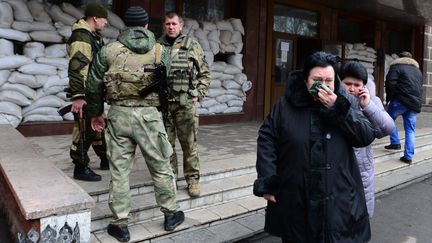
[[228, 86], [32, 82], [364, 54]]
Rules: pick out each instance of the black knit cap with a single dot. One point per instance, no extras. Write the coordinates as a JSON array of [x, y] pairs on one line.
[[136, 16], [96, 10]]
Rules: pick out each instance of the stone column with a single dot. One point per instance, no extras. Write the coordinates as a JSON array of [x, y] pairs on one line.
[[427, 66]]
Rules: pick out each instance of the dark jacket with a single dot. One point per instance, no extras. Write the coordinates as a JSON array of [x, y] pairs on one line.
[[404, 82], [305, 158]]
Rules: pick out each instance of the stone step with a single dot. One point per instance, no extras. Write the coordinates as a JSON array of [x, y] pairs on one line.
[[420, 133], [393, 164], [422, 143], [144, 207]]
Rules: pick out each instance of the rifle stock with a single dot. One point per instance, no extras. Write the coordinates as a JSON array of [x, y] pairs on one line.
[[62, 111]]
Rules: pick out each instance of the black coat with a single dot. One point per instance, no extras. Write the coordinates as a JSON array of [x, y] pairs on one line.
[[305, 158], [404, 82]]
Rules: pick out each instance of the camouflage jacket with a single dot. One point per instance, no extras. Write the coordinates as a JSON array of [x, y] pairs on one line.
[[119, 72], [82, 47], [188, 53]]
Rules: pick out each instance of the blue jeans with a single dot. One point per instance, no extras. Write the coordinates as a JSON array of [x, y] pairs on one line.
[[396, 109]]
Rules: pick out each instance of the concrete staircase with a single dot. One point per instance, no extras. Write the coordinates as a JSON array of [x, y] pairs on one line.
[[227, 211]]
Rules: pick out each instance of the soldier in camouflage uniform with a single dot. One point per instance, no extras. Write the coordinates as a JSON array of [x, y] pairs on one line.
[[122, 69], [83, 45], [188, 78]]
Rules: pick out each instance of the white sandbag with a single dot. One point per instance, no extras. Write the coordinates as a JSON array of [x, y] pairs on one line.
[[46, 36], [46, 101], [47, 111], [6, 15], [63, 73], [233, 109], [209, 57], [23, 89], [246, 86], [37, 10], [201, 34], [41, 80], [53, 90], [225, 37], [26, 79], [231, 84], [110, 32], [226, 98], [17, 35], [236, 60], [225, 76], [217, 108], [12, 62], [203, 111], [64, 30], [71, 10], [62, 95], [215, 84], [10, 119], [213, 93], [238, 47], [236, 37], [237, 25], [6, 48], [59, 16], [34, 49], [208, 26], [60, 63], [56, 50], [37, 117], [240, 78], [232, 69], [38, 69], [224, 25], [227, 48], [191, 23], [214, 35], [235, 102], [55, 80], [215, 75], [218, 66], [28, 27], [236, 92], [14, 97], [115, 20], [4, 76], [68, 117], [214, 47], [359, 46], [10, 108], [206, 102], [21, 11]]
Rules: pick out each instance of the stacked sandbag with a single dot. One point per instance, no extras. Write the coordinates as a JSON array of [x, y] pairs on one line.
[[32, 83], [228, 87], [364, 54]]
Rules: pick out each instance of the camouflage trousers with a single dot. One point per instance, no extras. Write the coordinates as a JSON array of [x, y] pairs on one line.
[[183, 123], [92, 138], [127, 127]]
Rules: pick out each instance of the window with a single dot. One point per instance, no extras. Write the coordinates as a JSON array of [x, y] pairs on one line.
[[209, 10], [170, 5], [295, 21], [349, 31]]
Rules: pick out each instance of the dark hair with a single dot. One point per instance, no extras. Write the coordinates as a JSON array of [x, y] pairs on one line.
[[405, 54], [319, 59], [354, 69], [172, 14]]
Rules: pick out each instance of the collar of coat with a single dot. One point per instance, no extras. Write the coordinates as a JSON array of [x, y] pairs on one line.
[[405, 60]]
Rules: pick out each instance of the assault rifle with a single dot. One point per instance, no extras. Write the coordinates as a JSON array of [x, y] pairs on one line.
[[81, 127], [160, 85]]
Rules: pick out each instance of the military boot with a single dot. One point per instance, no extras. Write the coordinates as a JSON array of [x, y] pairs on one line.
[[194, 189], [120, 232], [84, 173], [173, 220]]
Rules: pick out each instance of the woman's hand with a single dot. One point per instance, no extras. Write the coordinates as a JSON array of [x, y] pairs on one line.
[[270, 198], [326, 96]]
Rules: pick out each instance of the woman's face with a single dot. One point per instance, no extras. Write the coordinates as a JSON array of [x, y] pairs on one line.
[[325, 75]]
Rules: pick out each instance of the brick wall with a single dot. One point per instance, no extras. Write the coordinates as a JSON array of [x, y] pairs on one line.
[[427, 66]]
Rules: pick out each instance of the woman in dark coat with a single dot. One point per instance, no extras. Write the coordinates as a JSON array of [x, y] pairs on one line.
[[305, 162]]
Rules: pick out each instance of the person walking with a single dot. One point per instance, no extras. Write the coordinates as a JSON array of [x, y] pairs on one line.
[[355, 79], [120, 71], [403, 86], [306, 166], [188, 77], [82, 47]]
